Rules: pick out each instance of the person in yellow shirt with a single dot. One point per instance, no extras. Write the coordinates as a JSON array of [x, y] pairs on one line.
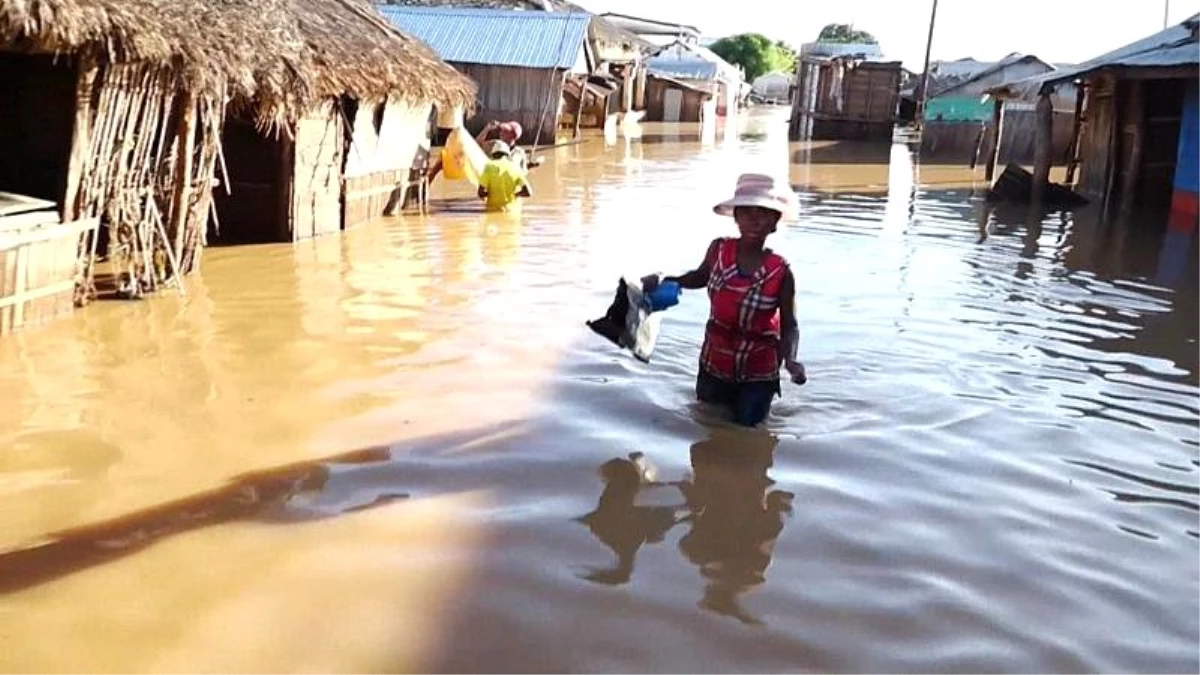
[[502, 182]]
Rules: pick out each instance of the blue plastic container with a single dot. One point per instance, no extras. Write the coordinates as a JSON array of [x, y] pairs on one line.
[[665, 295]]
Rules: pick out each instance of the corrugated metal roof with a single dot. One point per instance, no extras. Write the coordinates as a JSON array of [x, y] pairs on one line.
[[1175, 46], [691, 62], [495, 37], [868, 50], [640, 26], [1010, 60]]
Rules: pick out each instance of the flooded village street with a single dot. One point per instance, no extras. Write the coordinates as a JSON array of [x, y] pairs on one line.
[[387, 450]]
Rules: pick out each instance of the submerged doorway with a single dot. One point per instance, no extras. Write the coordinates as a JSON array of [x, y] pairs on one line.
[[256, 208]]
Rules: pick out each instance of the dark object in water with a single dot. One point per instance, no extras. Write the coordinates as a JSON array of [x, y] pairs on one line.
[[1016, 185], [628, 323]]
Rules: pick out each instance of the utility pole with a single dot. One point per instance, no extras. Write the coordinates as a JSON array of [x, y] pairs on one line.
[[1166, 13], [925, 72]]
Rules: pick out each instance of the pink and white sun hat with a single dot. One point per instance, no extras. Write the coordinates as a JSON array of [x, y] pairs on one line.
[[757, 189]]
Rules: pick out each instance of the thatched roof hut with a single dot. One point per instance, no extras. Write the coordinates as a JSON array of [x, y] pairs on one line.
[[116, 108], [281, 54]]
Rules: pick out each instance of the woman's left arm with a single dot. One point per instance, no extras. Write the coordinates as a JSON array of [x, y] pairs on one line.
[[789, 343]]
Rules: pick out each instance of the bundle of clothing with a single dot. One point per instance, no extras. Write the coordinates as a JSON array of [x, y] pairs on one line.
[[632, 320]]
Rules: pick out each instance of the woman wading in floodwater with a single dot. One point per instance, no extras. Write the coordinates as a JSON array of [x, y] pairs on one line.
[[752, 327]]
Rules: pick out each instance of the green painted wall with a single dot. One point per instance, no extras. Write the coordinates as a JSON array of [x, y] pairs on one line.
[[958, 109]]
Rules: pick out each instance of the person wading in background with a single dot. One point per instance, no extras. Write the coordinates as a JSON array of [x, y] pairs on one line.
[[502, 182]]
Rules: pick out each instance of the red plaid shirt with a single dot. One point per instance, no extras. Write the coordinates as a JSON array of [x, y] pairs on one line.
[[741, 341]]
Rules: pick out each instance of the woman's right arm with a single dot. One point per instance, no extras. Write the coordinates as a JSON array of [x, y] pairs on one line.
[[487, 129], [698, 278]]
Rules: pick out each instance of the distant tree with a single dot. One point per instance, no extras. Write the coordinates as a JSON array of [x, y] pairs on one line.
[[845, 33], [786, 56], [755, 53]]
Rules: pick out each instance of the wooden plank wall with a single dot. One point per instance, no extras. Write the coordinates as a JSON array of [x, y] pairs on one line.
[[833, 102], [1096, 151], [317, 173], [38, 258], [868, 93], [386, 141], [954, 142], [691, 109], [528, 95]]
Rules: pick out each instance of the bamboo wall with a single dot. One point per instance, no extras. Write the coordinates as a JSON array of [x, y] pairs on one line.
[[144, 155], [532, 97], [386, 140], [124, 147]]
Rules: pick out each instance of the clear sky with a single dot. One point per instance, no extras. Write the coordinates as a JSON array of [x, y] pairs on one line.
[[1058, 31]]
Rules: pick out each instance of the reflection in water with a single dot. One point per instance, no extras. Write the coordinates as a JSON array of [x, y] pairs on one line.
[[997, 452], [622, 525], [733, 521]]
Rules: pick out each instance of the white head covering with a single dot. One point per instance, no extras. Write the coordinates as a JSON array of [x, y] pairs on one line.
[[756, 189]]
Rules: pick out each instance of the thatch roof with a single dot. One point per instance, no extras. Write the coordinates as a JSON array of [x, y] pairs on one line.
[[281, 54]]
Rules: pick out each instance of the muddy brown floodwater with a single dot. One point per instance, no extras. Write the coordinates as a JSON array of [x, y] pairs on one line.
[[401, 450]]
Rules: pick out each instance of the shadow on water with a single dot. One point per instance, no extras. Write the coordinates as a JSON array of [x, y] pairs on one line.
[[274, 495]]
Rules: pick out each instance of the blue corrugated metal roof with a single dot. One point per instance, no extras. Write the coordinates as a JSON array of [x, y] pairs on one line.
[[495, 37]]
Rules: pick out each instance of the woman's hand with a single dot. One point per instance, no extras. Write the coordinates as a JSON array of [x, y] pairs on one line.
[[796, 370]]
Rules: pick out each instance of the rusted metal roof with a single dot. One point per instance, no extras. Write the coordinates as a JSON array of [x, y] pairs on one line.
[[495, 37]]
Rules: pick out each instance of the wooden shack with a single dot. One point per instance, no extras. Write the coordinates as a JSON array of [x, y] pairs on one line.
[[588, 101], [700, 68], [844, 98], [1128, 116], [671, 100], [958, 120], [336, 162], [520, 77]]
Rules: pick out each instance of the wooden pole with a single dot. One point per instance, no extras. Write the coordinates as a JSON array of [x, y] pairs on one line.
[[1135, 126], [925, 73], [1076, 131], [627, 87], [1113, 146], [183, 176], [997, 136], [1043, 147], [80, 137], [580, 108]]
